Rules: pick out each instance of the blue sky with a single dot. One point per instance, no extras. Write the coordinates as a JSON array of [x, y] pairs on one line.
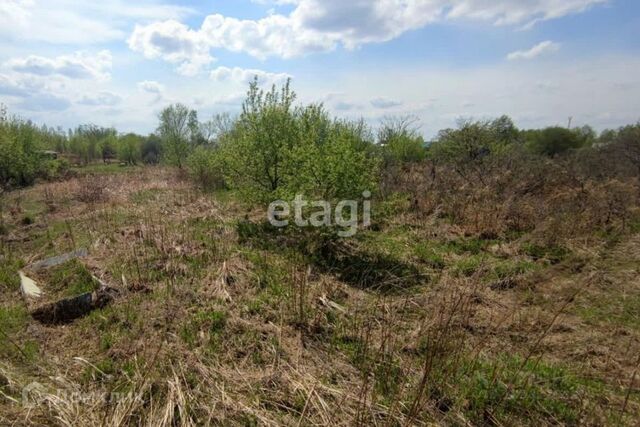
[[117, 62]]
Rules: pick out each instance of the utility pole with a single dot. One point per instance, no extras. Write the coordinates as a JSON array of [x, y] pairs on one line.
[[570, 120]]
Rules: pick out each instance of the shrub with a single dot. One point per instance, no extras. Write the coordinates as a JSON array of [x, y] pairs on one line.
[[276, 151], [129, 150], [401, 141], [179, 131], [205, 169], [555, 140], [151, 150]]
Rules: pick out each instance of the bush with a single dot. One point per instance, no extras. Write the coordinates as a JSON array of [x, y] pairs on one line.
[[555, 140], [400, 140], [129, 148], [276, 150], [204, 168], [151, 150], [21, 157]]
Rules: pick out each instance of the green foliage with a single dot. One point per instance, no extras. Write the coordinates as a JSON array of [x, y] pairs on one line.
[[130, 148], [179, 131], [151, 150], [89, 143], [552, 253], [430, 256], [205, 168], [535, 390], [109, 147], [276, 150], [470, 147], [555, 140], [400, 140], [22, 159], [468, 266]]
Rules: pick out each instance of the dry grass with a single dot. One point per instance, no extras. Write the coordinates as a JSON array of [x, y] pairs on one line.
[[211, 327]]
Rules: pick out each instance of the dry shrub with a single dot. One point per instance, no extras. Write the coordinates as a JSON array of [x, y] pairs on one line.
[[91, 189], [520, 192]]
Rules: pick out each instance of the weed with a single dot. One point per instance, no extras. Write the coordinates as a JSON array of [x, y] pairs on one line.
[[430, 256], [71, 278], [9, 273], [552, 253], [512, 268], [468, 266]]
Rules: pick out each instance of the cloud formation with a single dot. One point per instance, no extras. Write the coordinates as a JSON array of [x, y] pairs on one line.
[[174, 42], [540, 49], [79, 23], [324, 25], [243, 76], [385, 103], [101, 99], [80, 65]]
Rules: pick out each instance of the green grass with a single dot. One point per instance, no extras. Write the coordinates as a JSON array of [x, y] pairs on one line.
[[212, 321], [105, 169], [71, 279], [539, 393], [472, 245], [634, 225], [467, 267], [9, 278], [615, 308], [512, 268], [554, 254], [430, 256], [13, 319]]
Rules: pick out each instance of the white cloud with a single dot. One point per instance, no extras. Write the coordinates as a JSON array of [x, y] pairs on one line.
[[323, 25], [10, 87], [243, 76], [518, 12], [489, 91], [174, 42], [79, 23], [151, 86], [42, 102], [32, 95], [154, 88], [540, 49], [80, 65], [384, 103], [101, 99]]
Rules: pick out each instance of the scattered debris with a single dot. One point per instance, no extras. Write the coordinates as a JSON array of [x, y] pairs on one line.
[[28, 287], [69, 309], [330, 304], [57, 260], [57, 309]]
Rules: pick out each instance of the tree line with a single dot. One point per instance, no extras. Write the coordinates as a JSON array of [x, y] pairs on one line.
[[275, 148]]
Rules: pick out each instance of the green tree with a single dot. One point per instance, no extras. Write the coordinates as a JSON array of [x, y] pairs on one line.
[[108, 147], [400, 140], [176, 130], [276, 150], [151, 150], [263, 135], [129, 148], [554, 140]]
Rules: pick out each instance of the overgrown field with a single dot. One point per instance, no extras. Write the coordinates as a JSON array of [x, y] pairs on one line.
[[221, 320]]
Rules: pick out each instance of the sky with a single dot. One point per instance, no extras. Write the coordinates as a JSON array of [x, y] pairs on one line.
[[119, 62]]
